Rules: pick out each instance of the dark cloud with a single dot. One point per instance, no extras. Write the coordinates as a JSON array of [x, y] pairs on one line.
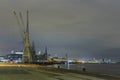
[[77, 27]]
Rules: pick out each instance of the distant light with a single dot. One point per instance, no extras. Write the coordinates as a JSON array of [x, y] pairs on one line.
[[83, 62], [12, 52], [39, 52], [69, 60], [18, 52]]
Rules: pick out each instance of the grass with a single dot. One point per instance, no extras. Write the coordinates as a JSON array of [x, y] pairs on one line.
[[17, 73], [12, 70], [108, 77], [47, 73]]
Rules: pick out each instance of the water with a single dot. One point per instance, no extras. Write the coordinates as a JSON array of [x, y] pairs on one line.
[[110, 69]]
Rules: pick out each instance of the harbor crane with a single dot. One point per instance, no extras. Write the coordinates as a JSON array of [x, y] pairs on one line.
[[27, 55]]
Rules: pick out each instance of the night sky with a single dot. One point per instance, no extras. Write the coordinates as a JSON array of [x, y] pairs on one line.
[[79, 28]]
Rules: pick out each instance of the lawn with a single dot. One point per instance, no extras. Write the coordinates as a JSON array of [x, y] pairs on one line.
[[22, 73], [48, 73]]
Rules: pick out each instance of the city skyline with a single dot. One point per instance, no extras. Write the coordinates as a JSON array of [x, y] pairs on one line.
[[79, 28]]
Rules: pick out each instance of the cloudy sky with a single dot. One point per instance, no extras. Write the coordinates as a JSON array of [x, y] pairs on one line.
[[79, 28]]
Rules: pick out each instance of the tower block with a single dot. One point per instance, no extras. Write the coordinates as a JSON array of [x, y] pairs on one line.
[[27, 56]]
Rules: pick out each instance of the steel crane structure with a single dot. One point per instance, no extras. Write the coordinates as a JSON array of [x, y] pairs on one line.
[[27, 55]]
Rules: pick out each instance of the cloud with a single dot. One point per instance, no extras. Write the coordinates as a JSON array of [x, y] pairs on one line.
[[86, 27]]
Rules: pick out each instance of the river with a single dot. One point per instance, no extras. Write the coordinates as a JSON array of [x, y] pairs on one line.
[[110, 69]]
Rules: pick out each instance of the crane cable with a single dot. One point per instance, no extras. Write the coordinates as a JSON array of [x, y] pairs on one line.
[[20, 24], [21, 18]]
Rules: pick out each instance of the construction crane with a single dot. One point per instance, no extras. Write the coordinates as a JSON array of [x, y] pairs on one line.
[[27, 55]]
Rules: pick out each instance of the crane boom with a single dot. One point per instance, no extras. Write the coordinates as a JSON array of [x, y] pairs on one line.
[[19, 25], [22, 21]]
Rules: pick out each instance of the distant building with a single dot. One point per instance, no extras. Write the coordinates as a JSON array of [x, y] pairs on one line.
[[1, 58], [15, 58], [18, 52]]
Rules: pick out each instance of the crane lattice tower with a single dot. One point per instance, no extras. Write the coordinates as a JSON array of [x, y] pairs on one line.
[[27, 56]]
